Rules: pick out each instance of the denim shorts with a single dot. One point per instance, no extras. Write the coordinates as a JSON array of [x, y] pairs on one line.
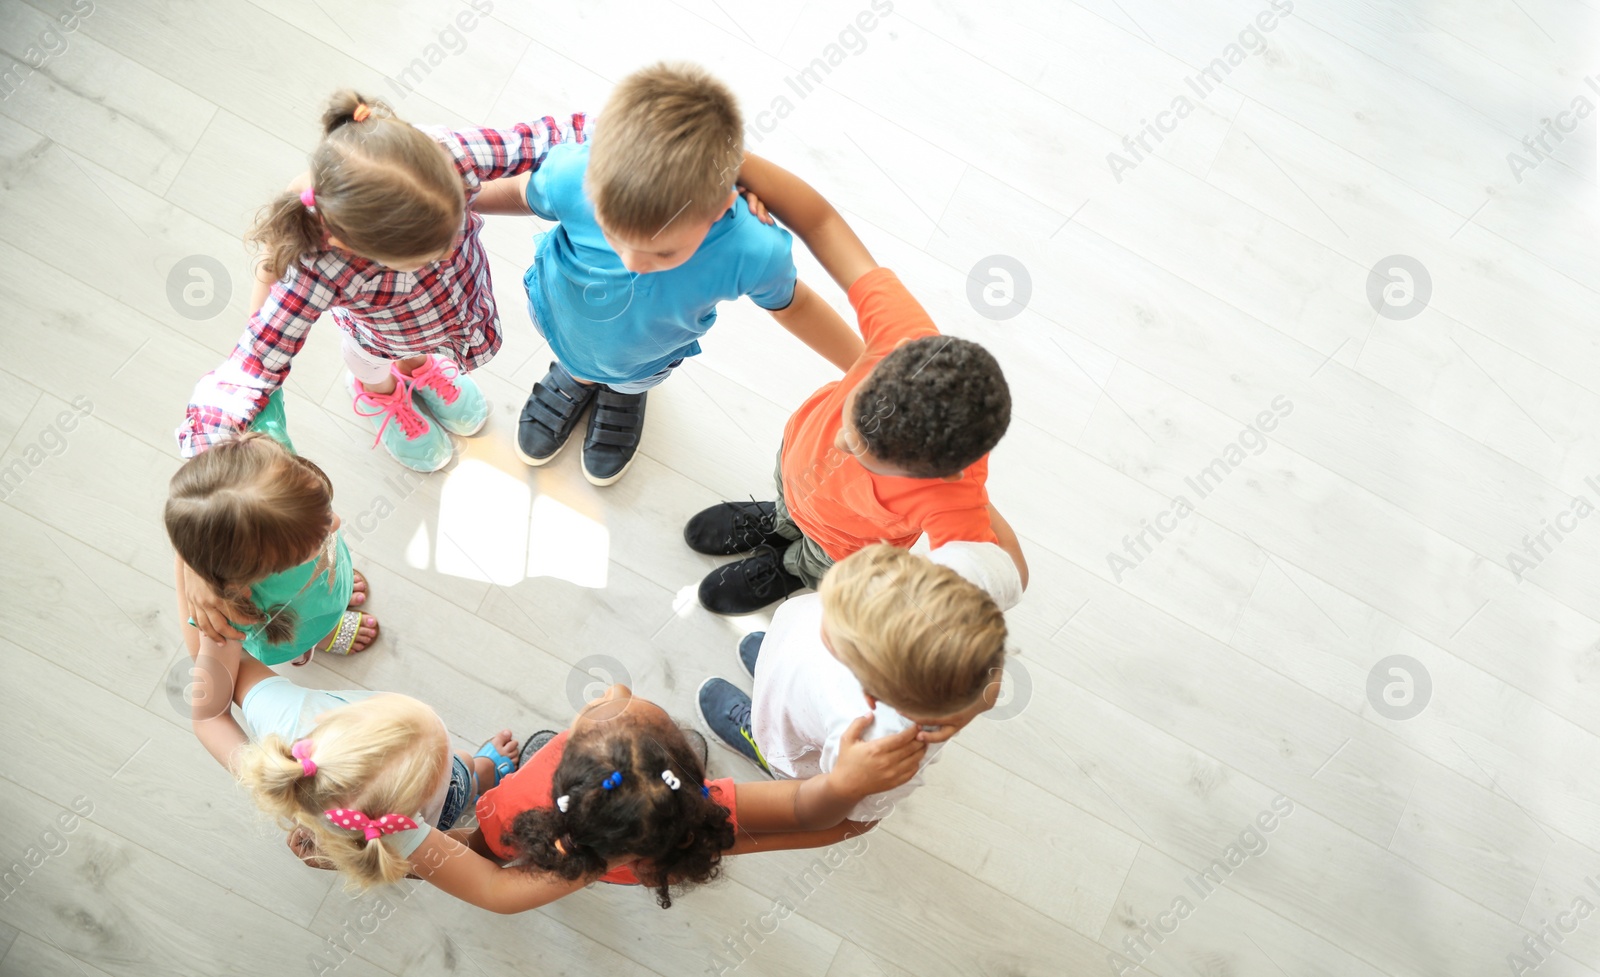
[[458, 796]]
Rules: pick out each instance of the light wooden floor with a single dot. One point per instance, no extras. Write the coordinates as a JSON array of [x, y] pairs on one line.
[[1157, 710]]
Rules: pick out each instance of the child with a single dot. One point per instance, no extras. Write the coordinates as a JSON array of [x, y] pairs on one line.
[[253, 523], [366, 780], [652, 237], [896, 449], [919, 643], [379, 232], [623, 782]]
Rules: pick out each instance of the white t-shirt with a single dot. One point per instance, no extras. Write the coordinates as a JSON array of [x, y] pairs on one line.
[[277, 705], [986, 565], [805, 698]]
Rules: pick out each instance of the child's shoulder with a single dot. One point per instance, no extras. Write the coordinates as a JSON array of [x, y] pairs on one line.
[[768, 247]]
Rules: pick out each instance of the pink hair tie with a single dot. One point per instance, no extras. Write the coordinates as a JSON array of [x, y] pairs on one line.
[[371, 827], [309, 198], [301, 751]]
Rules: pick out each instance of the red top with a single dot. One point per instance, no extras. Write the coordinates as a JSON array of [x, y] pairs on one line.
[[529, 787], [830, 496]]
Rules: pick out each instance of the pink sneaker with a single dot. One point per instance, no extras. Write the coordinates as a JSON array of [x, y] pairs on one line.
[[450, 396], [412, 440]]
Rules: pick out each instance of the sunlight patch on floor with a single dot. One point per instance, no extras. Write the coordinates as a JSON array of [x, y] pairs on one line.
[[493, 529]]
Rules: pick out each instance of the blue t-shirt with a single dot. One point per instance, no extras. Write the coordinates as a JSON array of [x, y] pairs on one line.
[[605, 323]]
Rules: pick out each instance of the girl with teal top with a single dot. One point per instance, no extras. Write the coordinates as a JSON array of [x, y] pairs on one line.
[[254, 529]]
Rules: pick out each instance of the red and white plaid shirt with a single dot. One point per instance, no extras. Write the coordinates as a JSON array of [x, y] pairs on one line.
[[446, 307]]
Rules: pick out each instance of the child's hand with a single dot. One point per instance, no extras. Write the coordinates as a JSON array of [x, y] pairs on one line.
[[951, 725], [757, 208], [873, 767], [207, 609]]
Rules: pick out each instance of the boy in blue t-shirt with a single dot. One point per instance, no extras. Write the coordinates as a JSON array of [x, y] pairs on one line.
[[652, 235]]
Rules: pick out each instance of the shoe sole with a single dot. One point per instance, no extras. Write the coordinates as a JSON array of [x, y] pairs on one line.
[[533, 462], [481, 424], [537, 462], [611, 479], [711, 734]]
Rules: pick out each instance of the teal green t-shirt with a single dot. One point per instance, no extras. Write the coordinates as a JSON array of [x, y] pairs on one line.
[[318, 591]]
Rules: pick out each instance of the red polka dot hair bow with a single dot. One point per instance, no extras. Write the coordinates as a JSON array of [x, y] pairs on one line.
[[372, 827]]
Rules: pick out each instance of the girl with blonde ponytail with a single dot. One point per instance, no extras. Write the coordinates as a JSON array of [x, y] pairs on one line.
[[380, 233], [365, 782]]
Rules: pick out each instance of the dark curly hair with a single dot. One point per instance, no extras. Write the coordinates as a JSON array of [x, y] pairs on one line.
[[933, 406], [679, 835]]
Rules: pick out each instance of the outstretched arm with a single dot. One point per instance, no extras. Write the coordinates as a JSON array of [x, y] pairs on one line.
[[822, 802], [811, 217], [462, 872], [815, 323]]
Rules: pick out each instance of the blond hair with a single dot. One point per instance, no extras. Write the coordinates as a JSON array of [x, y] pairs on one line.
[[383, 755], [668, 147], [384, 188], [917, 635], [244, 510]]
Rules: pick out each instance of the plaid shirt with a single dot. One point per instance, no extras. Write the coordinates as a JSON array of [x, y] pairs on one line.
[[446, 307]]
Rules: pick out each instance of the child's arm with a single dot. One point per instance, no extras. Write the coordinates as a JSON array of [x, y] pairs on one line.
[[215, 673], [227, 399], [823, 801], [809, 216], [494, 154], [508, 197], [815, 323], [215, 669], [791, 840], [458, 870], [1008, 541]]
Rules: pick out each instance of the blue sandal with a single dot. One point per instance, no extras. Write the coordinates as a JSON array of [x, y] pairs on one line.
[[503, 765]]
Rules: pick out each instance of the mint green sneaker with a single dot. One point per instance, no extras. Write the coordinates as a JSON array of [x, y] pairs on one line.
[[413, 441], [450, 396]]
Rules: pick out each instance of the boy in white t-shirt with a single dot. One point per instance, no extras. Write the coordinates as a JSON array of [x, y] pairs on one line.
[[915, 640]]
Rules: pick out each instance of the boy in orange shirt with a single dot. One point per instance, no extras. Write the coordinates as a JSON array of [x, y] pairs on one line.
[[897, 448]]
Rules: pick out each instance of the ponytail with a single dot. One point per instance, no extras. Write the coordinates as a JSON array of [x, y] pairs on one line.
[[384, 188], [346, 104], [387, 754], [277, 623]]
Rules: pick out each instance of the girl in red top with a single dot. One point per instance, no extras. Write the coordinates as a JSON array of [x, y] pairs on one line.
[[623, 785]]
